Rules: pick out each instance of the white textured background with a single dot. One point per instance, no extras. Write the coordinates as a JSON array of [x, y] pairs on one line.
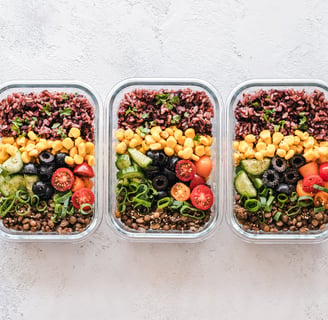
[[103, 42]]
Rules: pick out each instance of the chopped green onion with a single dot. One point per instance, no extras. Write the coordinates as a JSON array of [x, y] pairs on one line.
[[22, 196], [268, 205], [252, 205], [22, 209], [293, 211], [258, 183], [188, 208], [305, 201], [316, 186], [293, 196], [282, 198], [86, 209], [263, 191], [319, 209], [60, 198], [263, 201], [277, 215], [163, 203]]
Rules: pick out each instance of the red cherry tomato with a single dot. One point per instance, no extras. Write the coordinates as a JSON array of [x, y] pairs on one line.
[[324, 171], [202, 197], [310, 181], [300, 190], [204, 166], [185, 170], [84, 170], [196, 180], [82, 196], [62, 179]]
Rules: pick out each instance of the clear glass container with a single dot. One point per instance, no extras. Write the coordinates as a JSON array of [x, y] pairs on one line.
[[216, 179], [250, 87], [69, 87]]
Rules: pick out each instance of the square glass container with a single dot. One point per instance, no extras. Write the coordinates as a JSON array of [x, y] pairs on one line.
[[216, 179], [68, 87], [250, 87]]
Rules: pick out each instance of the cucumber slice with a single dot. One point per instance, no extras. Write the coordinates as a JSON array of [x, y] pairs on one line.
[[255, 167], [130, 172], [14, 164], [123, 161], [29, 181], [243, 185], [10, 184], [139, 158]]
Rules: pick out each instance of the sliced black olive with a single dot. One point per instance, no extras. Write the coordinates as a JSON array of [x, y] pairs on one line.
[[151, 172], [30, 168], [46, 157], [162, 159], [291, 176], [43, 190], [279, 164], [45, 172], [152, 154], [271, 178], [170, 175], [160, 182], [162, 194], [172, 163], [297, 161], [283, 188], [60, 159]]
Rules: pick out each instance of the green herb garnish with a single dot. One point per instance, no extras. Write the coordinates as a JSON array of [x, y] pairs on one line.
[[175, 119], [145, 115], [186, 114], [64, 96], [16, 124], [165, 99], [55, 125], [46, 109], [65, 112], [303, 120], [144, 130], [197, 138]]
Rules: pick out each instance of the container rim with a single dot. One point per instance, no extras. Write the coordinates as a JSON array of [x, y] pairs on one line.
[[219, 108], [55, 237], [265, 238]]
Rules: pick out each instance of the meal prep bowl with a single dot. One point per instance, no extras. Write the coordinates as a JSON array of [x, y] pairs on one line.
[[215, 180], [250, 87], [74, 87]]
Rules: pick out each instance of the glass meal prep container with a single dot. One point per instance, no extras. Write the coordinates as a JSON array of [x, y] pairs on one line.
[[141, 206], [277, 161], [51, 173]]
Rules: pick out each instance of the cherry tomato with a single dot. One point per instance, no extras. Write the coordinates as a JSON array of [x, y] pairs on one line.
[[185, 170], [202, 197], [87, 182], [62, 179], [300, 190], [309, 169], [78, 184], [321, 199], [84, 170], [82, 196], [204, 166], [309, 181], [196, 180], [324, 171], [180, 192]]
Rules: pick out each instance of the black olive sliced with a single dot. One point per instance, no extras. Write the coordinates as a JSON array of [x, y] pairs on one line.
[[162, 194], [46, 157], [170, 175], [43, 189], [60, 159], [279, 164], [172, 163], [291, 176], [45, 172], [30, 168], [283, 188], [297, 161], [271, 178], [160, 182]]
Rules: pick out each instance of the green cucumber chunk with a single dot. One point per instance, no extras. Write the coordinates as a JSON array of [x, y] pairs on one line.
[[14, 164], [29, 181], [123, 161], [255, 167], [139, 158], [10, 184], [243, 185]]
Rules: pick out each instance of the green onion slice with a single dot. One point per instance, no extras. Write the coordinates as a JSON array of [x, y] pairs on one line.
[[252, 205]]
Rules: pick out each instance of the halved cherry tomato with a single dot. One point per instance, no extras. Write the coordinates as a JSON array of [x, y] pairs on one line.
[[309, 169], [204, 166], [324, 171], [196, 180], [82, 196], [87, 182], [310, 181], [202, 197], [321, 199], [62, 179], [301, 192], [84, 170], [185, 170], [78, 184], [180, 192]]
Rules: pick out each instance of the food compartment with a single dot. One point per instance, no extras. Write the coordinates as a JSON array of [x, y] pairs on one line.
[[164, 159], [48, 160], [278, 142]]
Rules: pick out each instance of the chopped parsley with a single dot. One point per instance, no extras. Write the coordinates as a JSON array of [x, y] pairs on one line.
[[267, 114], [46, 109], [145, 115], [144, 130], [60, 132], [64, 96], [32, 123], [16, 124], [132, 110], [197, 138], [175, 119], [65, 112], [165, 99], [303, 120]]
